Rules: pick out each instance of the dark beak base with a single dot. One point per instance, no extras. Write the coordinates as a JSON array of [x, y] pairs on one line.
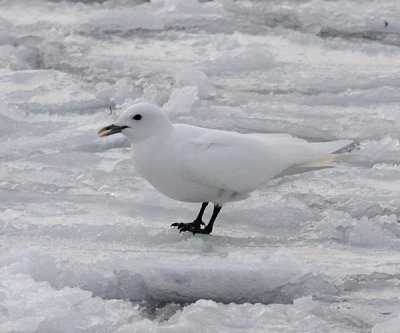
[[109, 130]]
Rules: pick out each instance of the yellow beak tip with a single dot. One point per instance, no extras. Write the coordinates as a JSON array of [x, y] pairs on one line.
[[102, 132]]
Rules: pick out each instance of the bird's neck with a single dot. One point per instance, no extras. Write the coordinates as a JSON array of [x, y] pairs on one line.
[[156, 138]]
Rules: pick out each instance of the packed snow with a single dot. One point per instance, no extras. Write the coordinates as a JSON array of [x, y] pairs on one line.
[[86, 243]]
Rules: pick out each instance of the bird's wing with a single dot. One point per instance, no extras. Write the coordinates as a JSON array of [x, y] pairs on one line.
[[243, 162]]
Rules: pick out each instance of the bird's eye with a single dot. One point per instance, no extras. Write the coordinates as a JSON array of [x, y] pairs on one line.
[[137, 117]]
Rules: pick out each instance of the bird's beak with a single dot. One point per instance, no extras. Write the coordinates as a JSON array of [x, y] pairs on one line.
[[111, 129]]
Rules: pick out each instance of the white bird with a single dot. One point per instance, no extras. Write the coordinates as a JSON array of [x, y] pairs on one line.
[[195, 164]]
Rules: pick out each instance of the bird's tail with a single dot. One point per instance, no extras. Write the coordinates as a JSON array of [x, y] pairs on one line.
[[324, 162], [327, 159]]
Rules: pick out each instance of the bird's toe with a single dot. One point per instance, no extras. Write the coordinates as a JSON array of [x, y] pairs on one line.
[[194, 230], [194, 227]]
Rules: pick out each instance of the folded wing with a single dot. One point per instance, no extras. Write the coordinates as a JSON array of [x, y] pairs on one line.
[[243, 162]]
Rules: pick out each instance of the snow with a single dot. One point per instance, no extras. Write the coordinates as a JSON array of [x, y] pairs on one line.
[[85, 242]]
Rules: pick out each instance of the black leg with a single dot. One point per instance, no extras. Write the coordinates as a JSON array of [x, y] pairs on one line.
[[201, 212], [196, 224], [208, 229]]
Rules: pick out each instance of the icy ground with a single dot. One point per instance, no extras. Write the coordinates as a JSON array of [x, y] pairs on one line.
[[85, 242]]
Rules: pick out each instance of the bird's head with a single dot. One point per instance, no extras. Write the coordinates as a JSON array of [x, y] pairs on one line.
[[139, 122]]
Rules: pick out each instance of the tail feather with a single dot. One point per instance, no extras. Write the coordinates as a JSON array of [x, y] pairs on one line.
[[326, 159], [326, 148], [323, 162], [295, 170]]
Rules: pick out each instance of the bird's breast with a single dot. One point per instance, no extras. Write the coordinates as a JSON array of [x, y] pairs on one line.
[[159, 166]]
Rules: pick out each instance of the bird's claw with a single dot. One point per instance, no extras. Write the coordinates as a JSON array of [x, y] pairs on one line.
[[194, 227], [192, 230]]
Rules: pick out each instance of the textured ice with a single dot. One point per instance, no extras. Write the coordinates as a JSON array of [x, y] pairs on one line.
[[31, 302], [85, 242], [190, 77]]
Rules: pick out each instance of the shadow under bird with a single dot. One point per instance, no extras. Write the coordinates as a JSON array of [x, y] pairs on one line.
[[194, 164]]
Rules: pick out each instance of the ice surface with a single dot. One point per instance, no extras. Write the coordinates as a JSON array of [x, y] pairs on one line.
[[85, 242]]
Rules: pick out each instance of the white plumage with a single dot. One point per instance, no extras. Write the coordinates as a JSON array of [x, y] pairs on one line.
[[195, 164]]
